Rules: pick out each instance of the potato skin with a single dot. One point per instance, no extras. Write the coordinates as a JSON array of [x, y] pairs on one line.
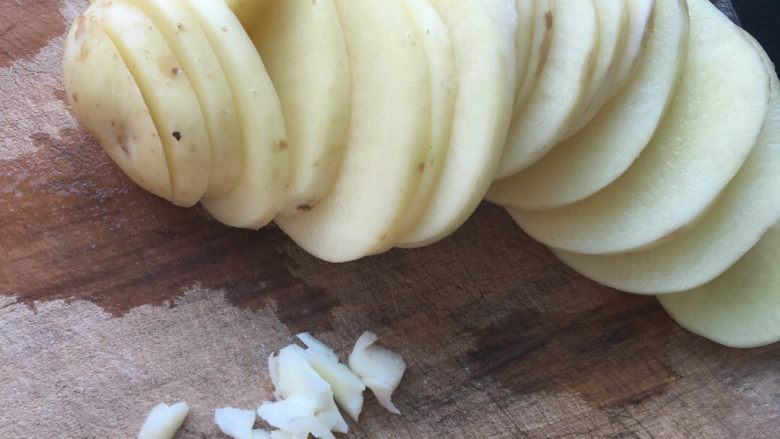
[[109, 104]]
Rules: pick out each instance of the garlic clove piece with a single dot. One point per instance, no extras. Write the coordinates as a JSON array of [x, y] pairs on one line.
[[163, 421], [235, 423], [380, 369], [347, 386], [315, 345]]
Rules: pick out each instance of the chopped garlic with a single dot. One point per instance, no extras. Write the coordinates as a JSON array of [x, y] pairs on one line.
[[379, 368], [163, 421], [306, 403], [315, 345], [296, 377], [235, 423]]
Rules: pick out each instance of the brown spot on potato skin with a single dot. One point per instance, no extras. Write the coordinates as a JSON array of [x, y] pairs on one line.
[[282, 145], [421, 168], [548, 20], [121, 138], [304, 207], [75, 97], [23, 37]]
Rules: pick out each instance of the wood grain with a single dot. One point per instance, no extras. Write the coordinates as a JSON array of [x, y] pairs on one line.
[[111, 300]]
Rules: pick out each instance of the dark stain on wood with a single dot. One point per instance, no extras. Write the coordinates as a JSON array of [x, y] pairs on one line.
[[24, 38], [80, 229]]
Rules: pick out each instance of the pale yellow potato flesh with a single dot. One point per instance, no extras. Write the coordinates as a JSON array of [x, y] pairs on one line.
[[612, 22], [261, 192], [561, 87], [303, 49], [542, 17], [249, 12], [196, 57], [735, 223], [435, 39], [482, 33], [711, 126], [641, 18], [524, 39], [740, 308], [599, 154], [119, 120], [167, 93], [387, 140]]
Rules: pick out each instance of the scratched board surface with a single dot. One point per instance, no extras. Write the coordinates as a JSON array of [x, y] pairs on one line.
[[112, 300]]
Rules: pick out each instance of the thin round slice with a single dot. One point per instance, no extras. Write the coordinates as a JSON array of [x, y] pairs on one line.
[[524, 39], [167, 93], [710, 128], [196, 57], [108, 102], [542, 17], [261, 191], [303, 49], [388, 137], [641, 20], [740, 216], [612, 21], [740, 308], [432, 32], [482, 33], [249, 12], [595, 157], [561, 87]]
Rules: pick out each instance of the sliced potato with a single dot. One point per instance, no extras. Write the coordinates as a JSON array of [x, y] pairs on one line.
[[712, 124], [388, 138], [194, 54], [735, 223], [740, 308], [524, 39], [482, 33], [561, 87], [542, 17], [261, 192], [606, 148], [302, 47], [120, 121], [168, 94], [612, 22], [248, 12], [641, 21], [435, 39]]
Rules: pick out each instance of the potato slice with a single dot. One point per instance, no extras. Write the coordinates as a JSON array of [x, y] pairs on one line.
[[741, 307], [168, 94], [202, 68], [388, 139], [303, 49], [248, 12], [435, 39], [524, 45], [735, 223], [561, 87], [482, 33], [109, 104], [641, 21], [542, 17], [261, 192], [606, 148], [612, 22], [712, 124]]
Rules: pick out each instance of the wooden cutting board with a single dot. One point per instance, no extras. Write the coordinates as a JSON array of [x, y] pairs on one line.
[[112, 300]]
